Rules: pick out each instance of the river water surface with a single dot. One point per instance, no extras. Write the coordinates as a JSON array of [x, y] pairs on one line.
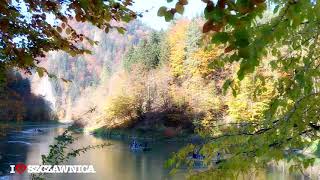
[[115, 162]]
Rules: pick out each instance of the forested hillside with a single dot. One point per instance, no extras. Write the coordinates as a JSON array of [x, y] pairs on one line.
[[18, 103], [88, 72], [169, 81]]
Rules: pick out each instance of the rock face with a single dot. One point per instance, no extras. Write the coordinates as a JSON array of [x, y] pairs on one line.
[[43, 87]]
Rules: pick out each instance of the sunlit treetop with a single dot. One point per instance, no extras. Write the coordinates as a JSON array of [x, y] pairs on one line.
[[237, 24]]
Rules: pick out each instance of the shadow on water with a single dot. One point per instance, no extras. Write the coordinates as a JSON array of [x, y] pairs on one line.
[[112, 162], [17, 143], [115, 162]]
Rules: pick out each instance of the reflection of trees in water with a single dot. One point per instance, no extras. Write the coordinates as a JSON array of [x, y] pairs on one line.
[[16, 146], [11, 153], [112, 162], [5, 128], [118, 162]]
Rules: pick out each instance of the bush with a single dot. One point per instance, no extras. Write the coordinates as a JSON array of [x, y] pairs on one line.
[[122, 109]]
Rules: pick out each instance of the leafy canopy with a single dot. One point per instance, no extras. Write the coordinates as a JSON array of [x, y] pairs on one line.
[[27, 34], [288, 43]]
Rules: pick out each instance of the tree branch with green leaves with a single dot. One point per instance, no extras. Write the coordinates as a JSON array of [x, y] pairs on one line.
[[287, 43]]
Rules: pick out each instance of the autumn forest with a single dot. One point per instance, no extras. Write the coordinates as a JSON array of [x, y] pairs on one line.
[[234, 88]]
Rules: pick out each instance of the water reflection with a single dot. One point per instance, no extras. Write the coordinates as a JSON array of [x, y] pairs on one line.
[[115, 162]]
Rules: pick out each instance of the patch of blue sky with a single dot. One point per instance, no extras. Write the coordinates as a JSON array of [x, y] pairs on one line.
[[150, 18]]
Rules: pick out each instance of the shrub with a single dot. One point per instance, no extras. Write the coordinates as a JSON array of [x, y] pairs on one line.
[[122, 108]]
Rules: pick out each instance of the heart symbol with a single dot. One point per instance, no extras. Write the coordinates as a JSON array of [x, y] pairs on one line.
[[20, 168]]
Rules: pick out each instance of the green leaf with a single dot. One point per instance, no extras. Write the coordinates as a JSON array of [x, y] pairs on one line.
[[162, 11], [121, 30], [28, 60], [40, 71], [220, 37], [226, 85], [52, 76], [242, 37], [234, 92], [244, 52], [215, 15], [300, 78], [245, 67], [84, 4], [168, 16], [179, 8], [276, 9], [126, 18]]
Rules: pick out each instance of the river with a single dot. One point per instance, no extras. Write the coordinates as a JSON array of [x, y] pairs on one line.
[[115, 162]]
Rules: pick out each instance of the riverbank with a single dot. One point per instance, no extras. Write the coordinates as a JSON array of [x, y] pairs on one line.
[[8, 126], [26, 123], [148, 135], [137, 165]]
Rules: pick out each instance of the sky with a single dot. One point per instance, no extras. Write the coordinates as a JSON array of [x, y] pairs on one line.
[[194, 8], [150, 18]]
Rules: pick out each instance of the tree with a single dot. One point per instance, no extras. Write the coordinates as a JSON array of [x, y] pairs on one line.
[[152, 50], [26, 33], [177, 43], [18, 103], [164, 53], [288, 42], [147, 53], [194, 36], [129, 59], [253, 97], [193, 39]]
